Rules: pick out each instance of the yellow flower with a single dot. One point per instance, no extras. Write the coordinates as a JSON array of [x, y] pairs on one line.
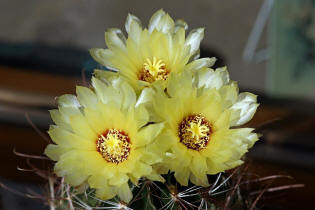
[[200, 110], [151, 54], [101, 139]]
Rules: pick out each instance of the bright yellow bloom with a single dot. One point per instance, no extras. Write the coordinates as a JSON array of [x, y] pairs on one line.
[[151, 54], [101, 139], [200, 111]]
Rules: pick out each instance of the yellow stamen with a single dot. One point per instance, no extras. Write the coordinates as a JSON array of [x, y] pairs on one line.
[[114, 146], [198, 130], [153, 70], [154, 67], [194, 132]]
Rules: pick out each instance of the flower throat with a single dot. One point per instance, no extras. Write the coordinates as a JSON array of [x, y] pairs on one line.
[[194, 132], [153, 70], [114, 145]]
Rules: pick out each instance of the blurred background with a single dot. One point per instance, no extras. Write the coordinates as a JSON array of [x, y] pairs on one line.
[[268, 46]]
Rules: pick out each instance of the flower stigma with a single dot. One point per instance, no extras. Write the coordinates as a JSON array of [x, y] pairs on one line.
[[114, 145], [194, 132], [153, 70]]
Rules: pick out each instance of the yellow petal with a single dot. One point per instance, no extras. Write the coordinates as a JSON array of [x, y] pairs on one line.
[[179, 37], [94, 163], [86, 96], [246, 135], [105, 75], [114, 38], [223, 121], [99, 180], [200, 180], [119, 179], [193, 39], [141, 169], [229, 94], [70, 163], [94, 120], [155, 20], [127, 93], [59, 119], [162, 143], [198, 165], [154, 176], [68, 139], [150, 157], [75, 179], [133, 28], [68, 100], [180, 24], [67, 112], [200, 63], [166, 24], [81, 128], [209, 78], [181, 153], [124, 193], [213, 111], [102, 56], [147, 134], [106, 193], [182, 176], [106, 93], [223, 74], [142, 116], [55, 151], [247, 105]]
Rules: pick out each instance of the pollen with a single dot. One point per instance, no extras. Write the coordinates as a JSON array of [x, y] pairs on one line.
[[153, 70], [194, 132], [114, 145]]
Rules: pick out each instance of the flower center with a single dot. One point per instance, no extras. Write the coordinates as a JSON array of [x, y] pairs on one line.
[[194, 132], [153, 70], [114, 145]]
